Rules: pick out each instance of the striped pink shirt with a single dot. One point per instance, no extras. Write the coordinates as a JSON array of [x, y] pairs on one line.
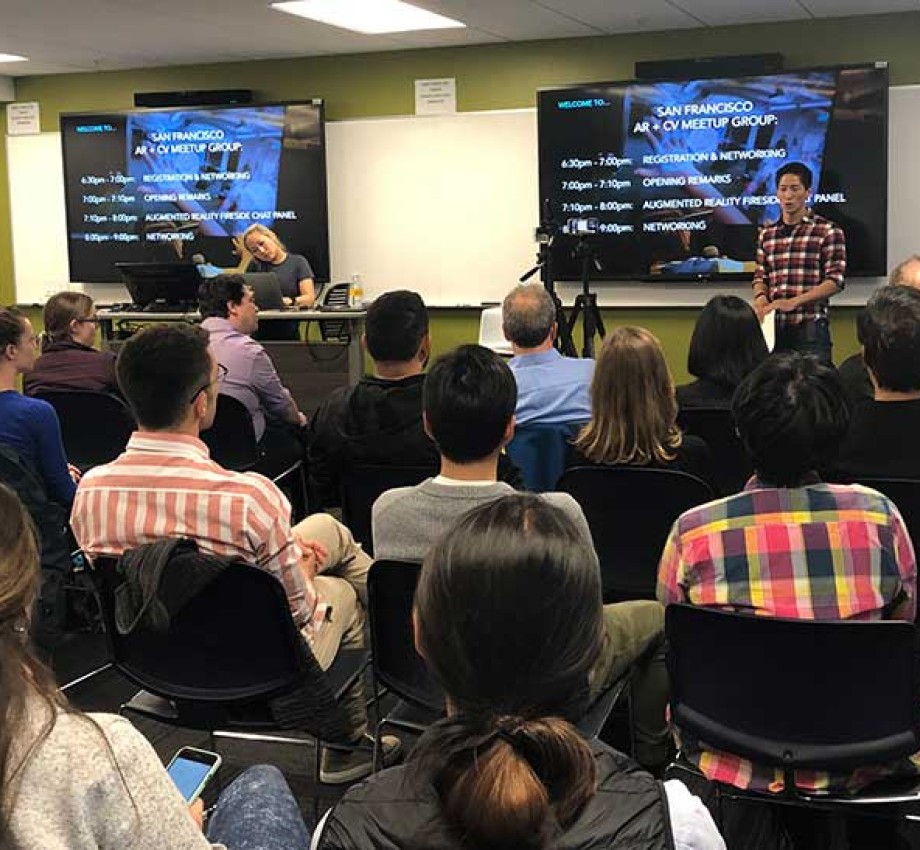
[[166, 485]]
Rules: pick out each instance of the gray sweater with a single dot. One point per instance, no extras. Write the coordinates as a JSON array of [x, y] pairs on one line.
[[407, 520], [96, 784]]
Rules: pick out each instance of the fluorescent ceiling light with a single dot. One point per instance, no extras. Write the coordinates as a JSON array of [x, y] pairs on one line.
[[368, 16], [12, 57]]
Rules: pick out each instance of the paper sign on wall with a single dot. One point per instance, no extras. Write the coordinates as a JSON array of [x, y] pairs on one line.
[[22, 119], [436, 97]]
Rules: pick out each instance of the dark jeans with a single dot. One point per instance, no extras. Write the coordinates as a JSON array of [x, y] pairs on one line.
[[808, 337], [259, 812]]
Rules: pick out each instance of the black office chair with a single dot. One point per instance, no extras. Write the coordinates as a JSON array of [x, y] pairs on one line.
[[797, 695], [630, 511], [540, 453], [396, 665], [95, 427], [361, 485], [715, 426], [232, 663], [231, 441]]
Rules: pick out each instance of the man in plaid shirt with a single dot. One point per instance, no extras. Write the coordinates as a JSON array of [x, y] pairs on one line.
[[789, 545], [801, 262]]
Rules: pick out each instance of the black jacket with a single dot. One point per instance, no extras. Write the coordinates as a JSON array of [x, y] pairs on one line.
[[398, 808], [376, 422]]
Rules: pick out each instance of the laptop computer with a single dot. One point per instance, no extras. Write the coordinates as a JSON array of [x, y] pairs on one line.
[[266, 289]]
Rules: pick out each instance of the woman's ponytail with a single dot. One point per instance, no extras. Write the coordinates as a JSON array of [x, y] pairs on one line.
[[511, 782]]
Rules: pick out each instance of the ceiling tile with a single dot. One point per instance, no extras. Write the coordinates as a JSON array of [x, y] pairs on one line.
[[716, 13], [624, 15], [841, 8]]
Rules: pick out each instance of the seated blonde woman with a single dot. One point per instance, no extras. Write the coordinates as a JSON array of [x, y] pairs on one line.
[[634, 411]]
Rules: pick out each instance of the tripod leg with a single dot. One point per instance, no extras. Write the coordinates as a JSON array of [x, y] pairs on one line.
[[564, 332]]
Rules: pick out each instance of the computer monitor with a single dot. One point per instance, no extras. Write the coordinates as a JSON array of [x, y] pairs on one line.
[[169, 284]]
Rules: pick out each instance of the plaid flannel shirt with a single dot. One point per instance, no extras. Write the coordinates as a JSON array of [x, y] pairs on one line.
[[791, 259], [821, 552]]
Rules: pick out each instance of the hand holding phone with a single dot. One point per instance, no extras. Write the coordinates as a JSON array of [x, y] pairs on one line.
[[191, 769]]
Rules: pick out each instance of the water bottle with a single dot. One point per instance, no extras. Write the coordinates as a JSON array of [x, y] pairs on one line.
[[356, 291]]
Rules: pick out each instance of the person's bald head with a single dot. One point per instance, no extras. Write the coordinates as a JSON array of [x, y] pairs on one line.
[[907, 273], [528, 316]]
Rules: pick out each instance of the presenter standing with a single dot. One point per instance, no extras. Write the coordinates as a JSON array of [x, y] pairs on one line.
[[801, 263]]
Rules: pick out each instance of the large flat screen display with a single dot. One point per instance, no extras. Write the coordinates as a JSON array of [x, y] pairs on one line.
[[163, 185], [679, 176]]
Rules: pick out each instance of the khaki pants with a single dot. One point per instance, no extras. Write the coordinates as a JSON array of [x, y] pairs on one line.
[[342, 583], [634, 636]]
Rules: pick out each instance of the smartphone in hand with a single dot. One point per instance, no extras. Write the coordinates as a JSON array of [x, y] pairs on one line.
[[191, 769]]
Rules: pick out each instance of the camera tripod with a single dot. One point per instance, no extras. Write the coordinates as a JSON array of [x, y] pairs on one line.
[[545, 236], [586, 302]]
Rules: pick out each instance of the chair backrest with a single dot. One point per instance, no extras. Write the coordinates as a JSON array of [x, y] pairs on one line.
[[397, 666], [95, 427], [231, 440], [361, 485], [540, 452], [335, 295], [630, 511], [716, 427], [823, 695], [491, 334]]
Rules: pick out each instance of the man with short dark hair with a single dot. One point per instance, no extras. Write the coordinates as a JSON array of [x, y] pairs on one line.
[[230, 316], [469, 401], [165, 485], [801, 263], [552, 389], [789, 545], [378, 421], [882, 440], [853, 372]]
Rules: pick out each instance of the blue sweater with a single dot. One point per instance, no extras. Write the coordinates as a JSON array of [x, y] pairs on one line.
[[31, 427]]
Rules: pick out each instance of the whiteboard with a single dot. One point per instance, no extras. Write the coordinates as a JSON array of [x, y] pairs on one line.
[[445, 205]]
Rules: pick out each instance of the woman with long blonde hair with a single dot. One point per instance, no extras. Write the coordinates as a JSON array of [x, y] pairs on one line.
[[634, 410], [91, 781]]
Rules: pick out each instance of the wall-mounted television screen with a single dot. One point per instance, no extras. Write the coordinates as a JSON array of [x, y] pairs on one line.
[[163, 185], [672, 180]]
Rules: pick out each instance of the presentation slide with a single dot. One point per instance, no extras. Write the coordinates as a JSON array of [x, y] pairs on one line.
[[673, 179], [163, 185]]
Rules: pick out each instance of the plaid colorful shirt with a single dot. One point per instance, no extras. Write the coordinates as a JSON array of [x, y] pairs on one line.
[[791, 259], [819, 552]]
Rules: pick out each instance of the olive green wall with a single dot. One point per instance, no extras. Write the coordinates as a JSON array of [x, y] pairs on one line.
[[488, 77]]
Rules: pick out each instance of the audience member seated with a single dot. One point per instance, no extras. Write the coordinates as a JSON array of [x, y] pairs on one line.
[[882, 440], [469, 412], [379, 421], [68, 360], [727, 344], [91, 781], [634, 411], [507, 767], [30, 426], [269, 254], [552, 389], [853, 372], [165, 485], [230, 316], [821, 551]]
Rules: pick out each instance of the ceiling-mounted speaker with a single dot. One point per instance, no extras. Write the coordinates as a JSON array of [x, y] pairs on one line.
[[208, 97]]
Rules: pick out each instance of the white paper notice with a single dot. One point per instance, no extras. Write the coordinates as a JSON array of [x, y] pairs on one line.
[[22, 119], [436, 97]]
